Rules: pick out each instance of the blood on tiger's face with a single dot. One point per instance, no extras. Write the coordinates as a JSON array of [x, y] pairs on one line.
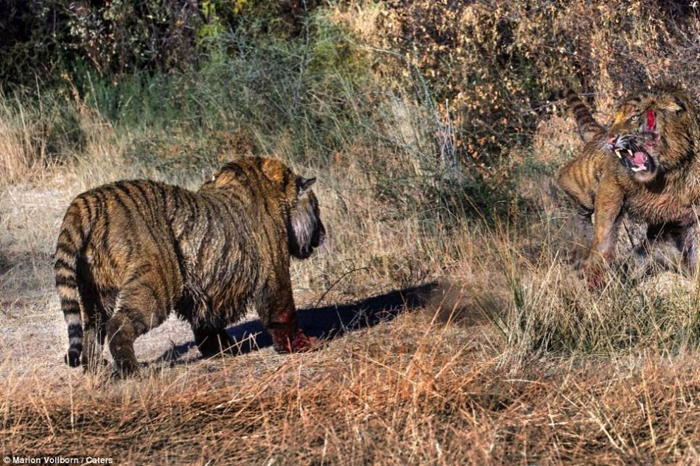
[[647, 134]]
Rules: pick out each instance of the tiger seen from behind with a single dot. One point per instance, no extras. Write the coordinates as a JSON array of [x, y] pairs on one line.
[[131, 252]]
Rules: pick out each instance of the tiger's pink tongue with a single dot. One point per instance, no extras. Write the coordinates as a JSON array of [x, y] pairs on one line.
[[640, 159]]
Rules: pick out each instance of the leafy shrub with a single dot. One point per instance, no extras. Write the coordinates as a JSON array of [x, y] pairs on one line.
[[491, 65]]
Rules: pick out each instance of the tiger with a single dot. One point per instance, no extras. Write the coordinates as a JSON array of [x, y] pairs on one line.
[[131, 252], [644, 164], [579, 177]]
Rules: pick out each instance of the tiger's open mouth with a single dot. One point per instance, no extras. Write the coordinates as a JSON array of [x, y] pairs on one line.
[[635, 159], [634, 150]]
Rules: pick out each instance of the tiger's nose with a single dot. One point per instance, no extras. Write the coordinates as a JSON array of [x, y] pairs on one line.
[[610, 141]]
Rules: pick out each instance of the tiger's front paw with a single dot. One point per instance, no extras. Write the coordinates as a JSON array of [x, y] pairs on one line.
[[595, 272], [293, 342]]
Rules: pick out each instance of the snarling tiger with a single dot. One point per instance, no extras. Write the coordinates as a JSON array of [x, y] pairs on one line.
[[646, 164]]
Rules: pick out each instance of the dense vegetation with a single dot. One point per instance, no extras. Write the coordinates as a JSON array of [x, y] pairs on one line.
[[476, 74]]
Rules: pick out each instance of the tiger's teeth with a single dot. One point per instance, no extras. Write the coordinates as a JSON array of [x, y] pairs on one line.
[[631, 153], [617, 152]]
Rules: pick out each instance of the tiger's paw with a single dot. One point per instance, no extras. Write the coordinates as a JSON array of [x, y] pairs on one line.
[[595, 273], [294, 342]]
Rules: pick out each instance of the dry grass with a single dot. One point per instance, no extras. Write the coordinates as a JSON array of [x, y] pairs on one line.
[[540, 371], [500, 356], [402, 393], [21, 150]]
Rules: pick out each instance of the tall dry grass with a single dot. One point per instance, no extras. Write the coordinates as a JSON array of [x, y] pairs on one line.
[[402, 393], [22, 146]]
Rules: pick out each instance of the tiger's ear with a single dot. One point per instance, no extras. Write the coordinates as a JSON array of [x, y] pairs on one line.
[[303, 184], [679, 105], [674, 104]]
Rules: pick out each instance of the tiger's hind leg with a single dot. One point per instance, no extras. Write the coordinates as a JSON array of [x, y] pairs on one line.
[[142, 305], [93, 321], [93, 341]]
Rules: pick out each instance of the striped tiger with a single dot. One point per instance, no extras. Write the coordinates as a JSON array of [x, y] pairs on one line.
[[644, 164], [579, 177], [131, 252]]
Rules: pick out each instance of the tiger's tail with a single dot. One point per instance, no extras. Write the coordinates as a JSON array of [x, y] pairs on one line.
[[587, 127], [72, 238]]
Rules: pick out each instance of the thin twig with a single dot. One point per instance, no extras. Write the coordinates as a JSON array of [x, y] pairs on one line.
[[336, 282]]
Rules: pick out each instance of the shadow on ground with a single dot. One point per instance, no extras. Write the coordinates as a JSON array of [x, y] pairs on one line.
[[328, 322]]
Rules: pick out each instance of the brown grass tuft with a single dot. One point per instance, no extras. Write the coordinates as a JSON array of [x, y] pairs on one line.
[[467, 304]]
